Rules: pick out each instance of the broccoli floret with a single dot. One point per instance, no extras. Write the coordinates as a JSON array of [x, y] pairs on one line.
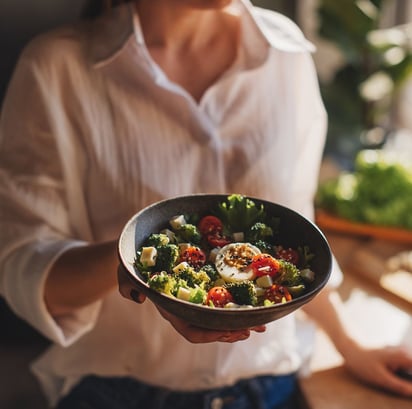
[[170, 235], [166, 283], [193, 278], [238, 212], [243, 292], [157, 239], [163, 283], [197, 295], [167, 256], [289, 275], [260, 231], [211, 271], [188, 233], [142, 267], [305, 256], [264, 247]]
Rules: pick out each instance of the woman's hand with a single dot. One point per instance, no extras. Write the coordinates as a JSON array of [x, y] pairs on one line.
[[378, 367], [197, 335], [127, 288]]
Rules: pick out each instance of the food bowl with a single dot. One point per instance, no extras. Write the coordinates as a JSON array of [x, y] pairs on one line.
[[294, 230]]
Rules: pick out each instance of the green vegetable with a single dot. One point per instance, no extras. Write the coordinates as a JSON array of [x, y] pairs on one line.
[[197, 295], [289, 275], [296, 290], [305, 256], [243, 292], [259, 231], [193, 278], [264, 247], [167, 256], [239, 213], [378, 192], [211, 271], [157, 239], [188, 233], [163, 282]]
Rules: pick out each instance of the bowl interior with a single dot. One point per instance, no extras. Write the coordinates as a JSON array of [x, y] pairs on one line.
[[294, 231]]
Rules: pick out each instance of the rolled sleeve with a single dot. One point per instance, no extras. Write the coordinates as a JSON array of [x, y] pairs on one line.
[[24, 272], [38, 164]]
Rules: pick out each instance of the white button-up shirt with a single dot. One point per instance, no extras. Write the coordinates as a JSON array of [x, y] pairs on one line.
[[92, 130]]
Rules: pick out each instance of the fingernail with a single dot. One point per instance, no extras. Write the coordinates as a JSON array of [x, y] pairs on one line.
[[134, 295]]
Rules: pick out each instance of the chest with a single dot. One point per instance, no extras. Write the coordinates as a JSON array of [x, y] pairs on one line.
[[196, 71], [156, 143]]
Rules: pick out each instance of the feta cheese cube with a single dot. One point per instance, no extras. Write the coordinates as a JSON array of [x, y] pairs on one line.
[[264, 281], [148, 256], [183, 247], [239, 236], [177, 221], [181, 267], [183, 294]]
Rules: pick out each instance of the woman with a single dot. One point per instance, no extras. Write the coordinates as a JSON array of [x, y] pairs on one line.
[[155, 99]]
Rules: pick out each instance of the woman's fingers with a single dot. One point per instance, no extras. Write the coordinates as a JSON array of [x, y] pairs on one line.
[[199, 335], [127, 288]]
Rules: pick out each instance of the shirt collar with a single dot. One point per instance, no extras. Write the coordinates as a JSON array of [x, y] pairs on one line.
[[278, 30], [111, 32]]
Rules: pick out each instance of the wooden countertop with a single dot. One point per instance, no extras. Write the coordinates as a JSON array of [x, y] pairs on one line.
[[375, 308], [334, 388]]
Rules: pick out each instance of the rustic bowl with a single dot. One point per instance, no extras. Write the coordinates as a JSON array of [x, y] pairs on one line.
[[294, 230]]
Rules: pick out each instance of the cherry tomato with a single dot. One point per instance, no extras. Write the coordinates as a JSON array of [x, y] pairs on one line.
[[264, 264], [277, 294], [218, 296], [210, 225], [218, 240], [289, 254], [194, 256]]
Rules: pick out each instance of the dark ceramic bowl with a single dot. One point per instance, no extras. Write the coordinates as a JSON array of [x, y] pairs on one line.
[[294, 230]]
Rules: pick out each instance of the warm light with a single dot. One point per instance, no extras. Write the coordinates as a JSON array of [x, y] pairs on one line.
[[376, 87], [394, 55]]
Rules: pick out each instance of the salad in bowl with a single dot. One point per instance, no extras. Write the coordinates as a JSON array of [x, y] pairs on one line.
[[224, 261]]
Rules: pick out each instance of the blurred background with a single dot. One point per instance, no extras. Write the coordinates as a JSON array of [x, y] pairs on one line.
[[364, 61]]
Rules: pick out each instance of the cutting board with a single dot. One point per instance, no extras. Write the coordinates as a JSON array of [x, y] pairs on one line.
[[383, 262], [388, 265]]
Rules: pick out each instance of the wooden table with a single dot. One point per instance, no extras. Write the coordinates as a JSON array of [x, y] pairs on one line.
[[382, 316]]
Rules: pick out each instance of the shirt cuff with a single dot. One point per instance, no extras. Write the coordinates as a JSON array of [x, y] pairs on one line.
[[24, 277]]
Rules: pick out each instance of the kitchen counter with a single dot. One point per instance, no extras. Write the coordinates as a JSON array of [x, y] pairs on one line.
[[381, 315]]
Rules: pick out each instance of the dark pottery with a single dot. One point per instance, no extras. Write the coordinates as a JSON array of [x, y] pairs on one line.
[[294, 230]]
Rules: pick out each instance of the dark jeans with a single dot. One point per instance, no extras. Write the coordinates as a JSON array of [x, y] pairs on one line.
[[265, 392]]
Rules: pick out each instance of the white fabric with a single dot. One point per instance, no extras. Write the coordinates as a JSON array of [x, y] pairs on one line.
[[92, 131]]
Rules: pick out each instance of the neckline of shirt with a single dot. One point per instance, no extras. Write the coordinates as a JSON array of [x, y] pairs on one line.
[[252, 53], [112, 33]]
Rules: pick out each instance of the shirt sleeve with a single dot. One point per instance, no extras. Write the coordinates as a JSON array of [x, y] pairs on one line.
[[35, 221]]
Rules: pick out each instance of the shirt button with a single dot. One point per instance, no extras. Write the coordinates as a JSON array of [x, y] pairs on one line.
[[217, 403]]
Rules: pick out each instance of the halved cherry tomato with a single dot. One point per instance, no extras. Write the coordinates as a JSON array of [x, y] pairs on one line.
[[277, 294], [194, 256], [218, 296], [288, 254], [218, 240], [210, 225], [264, 264]]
